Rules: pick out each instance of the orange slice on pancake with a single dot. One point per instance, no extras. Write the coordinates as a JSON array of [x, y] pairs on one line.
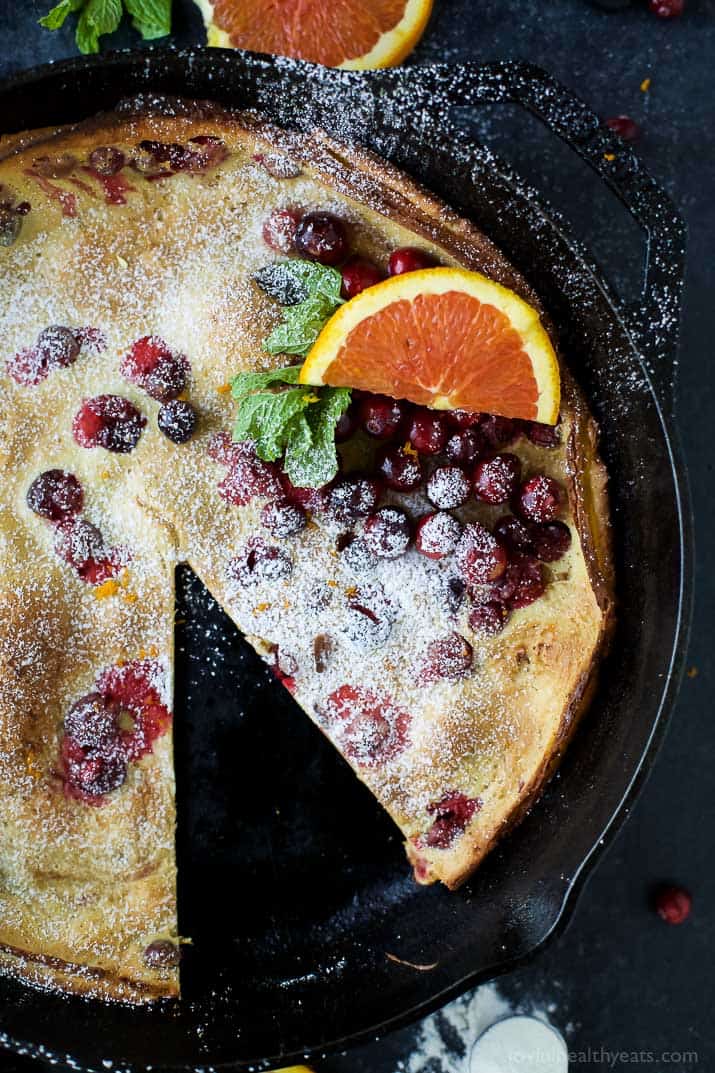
[[445, 338], [353, 34]]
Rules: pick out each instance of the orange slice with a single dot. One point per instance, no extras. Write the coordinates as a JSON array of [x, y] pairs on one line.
[[444, 338], [354, 34]]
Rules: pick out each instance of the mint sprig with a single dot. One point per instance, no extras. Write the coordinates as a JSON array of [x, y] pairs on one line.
[[152, 18], [317, 288], [290, 421]]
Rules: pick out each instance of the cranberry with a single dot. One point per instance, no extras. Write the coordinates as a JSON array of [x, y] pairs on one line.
[[427, 431], [388, 533], [408, 259], [135, 688], [92, 723], [462, 419], [624, 127], [322, 237], [224, 450], [55, 494], [177, 420], [282, 518], [540, 499], [542, 435], [249, 476], [464, 447], [370, 728], [162, 954], [551, 541], [666, 9], [353, 497], [313, 500], [58, 347], [673, 904], [279, 230], [346, 426], [357, 556], [489, 618], [152, 366], [451, 814], [498, 431], [357, 275], [515, 535], [399, 469], [380, 416], [106, 160], [522, 582], [447, 657], [82, 545], [92, 776], [27, 367], [91, 339], [448, 487], [437, 535], [479, 556], [495, 479], [108, 421], [258, 561]]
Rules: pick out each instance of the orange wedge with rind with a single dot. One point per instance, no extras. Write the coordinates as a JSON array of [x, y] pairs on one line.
[[445, 338], [356, 35]]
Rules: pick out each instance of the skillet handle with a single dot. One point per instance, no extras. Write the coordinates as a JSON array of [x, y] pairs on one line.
[[654, 320]]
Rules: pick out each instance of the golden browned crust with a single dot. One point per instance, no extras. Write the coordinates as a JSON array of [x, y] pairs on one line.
[[104, 957]]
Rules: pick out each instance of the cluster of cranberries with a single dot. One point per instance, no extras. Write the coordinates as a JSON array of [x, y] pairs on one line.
[[323, 237], [56, 347], [152, 366], [58, 497], [106, 730]]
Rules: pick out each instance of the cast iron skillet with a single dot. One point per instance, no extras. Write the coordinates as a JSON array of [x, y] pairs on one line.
[[293, 884]]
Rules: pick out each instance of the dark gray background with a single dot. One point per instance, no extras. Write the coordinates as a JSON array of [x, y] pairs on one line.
[[619, 977]]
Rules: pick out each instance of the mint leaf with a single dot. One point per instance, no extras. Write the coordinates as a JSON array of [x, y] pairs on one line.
[[55, 18], [302, 322], [246, 383], [152, 18], [266, 418], [98, 17], [311, 458]]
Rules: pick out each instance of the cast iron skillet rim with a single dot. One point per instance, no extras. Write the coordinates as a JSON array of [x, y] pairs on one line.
[[574, 885]]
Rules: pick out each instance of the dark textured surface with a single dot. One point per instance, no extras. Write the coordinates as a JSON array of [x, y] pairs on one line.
[[623, 979]]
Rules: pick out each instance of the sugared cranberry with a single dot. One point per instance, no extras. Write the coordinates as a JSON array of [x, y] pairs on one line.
[[542, 435], [92, 723], [498, 431], [540, 499], [313, 500], [479, 556], [346, 426], [381, 416], [55, 494], [666, 9], [27, 367], [448, 487], [83, 547], [322, 237], [162, 954], [58, 347], [399, 469], [451, 814], [522, 583], [551, 541], [408, 259], [353, 497], [94, 775], [673, 904], [279, 230], [624, 127], [249, 476], [177, 420], [222, 449], [357, 275], [371, 729], [357, 556], [258, 561], [388, 533], [106, 160], [463, 418], [427, 431], [437, 535], [448, 657], [155, 368], [489, 618], [515, 535], [282, 518], [108, 421], [464, 447], [495, 479]]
